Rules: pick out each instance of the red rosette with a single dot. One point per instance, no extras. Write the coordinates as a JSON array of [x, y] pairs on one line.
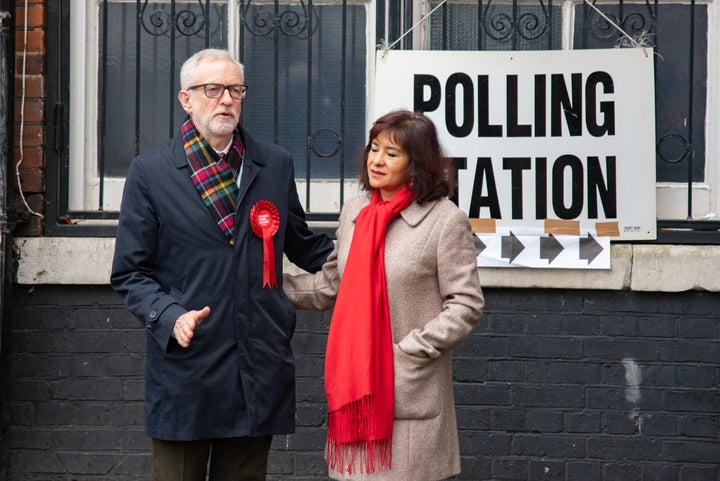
[[264, 221]]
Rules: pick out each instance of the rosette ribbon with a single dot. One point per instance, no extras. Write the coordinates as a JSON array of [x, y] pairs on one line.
[[264, 221]]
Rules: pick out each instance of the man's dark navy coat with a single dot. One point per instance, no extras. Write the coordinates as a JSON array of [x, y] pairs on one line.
[[237, 377]]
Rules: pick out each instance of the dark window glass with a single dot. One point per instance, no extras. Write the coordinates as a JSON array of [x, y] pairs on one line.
[[496, 26], [681, 54], [326, 95], [140, 96], [138, 112]]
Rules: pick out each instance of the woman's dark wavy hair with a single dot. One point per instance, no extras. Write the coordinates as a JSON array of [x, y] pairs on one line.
[[430, 173]]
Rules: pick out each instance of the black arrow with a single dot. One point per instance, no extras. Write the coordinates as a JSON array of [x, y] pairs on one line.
[[550, 248], [479, 245], [511, 247], [589, 248]]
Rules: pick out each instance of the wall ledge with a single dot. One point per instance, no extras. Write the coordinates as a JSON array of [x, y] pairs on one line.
[[642, 267]]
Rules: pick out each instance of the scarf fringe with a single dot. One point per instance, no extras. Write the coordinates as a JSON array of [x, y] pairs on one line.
[[351, 422]]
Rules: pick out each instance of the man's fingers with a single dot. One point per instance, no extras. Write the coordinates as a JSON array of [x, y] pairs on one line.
[[185, 325], [202, 314]]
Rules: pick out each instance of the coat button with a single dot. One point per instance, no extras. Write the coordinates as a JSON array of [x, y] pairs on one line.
[[152, 315]]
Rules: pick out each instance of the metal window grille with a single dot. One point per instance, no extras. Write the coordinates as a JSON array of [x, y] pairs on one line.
[[480, 25]]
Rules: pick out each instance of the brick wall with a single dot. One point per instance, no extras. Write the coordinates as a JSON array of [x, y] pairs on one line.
[[551, 385], [32, 156]]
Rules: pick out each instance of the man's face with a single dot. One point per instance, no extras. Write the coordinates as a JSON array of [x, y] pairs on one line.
[[216, 118]]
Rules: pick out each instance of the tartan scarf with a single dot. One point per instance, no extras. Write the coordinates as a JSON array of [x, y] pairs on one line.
[[214, 177], [359, 374]]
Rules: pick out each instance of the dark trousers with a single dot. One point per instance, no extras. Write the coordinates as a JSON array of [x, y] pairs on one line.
[[232, 459]]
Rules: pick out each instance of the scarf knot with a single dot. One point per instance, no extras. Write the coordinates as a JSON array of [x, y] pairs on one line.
[[359, 376]]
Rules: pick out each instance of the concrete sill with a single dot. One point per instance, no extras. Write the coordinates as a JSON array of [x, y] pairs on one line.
[[642, 267]]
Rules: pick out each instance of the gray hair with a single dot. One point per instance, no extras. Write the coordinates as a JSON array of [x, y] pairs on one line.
[[189, 68]]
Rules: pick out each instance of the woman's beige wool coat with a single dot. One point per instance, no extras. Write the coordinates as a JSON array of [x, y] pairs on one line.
[[435, 300]]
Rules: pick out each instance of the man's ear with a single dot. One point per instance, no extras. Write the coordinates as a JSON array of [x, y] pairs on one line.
[[184, 98]]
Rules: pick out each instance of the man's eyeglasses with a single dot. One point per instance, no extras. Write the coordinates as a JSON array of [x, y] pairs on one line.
[[214, 91]]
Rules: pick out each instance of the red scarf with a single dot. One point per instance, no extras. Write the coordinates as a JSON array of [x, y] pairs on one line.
[[359, 376]]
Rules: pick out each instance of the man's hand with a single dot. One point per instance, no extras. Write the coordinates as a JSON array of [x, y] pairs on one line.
[[186, 324]]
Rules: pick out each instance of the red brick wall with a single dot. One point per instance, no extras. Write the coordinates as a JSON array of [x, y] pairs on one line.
[[31, 157]]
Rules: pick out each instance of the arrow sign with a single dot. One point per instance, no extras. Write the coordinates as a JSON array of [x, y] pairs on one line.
[[589, 248], [525, 247], [550, 248], [479, 245], [511, 247]]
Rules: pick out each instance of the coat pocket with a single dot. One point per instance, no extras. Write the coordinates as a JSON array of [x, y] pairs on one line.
[[417, 391]]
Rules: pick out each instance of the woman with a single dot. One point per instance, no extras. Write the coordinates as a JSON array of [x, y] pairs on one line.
[[404, 284]]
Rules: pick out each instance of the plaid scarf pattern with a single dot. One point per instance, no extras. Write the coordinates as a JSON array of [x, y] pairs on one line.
[[214, 178]]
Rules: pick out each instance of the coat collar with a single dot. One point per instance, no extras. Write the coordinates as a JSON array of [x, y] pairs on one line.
[[412, 214], [415, 213]]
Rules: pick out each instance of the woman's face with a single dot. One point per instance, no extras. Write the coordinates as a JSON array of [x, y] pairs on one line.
[[387, 165]]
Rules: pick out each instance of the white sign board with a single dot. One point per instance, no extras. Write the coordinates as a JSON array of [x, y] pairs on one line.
[[560, 141]]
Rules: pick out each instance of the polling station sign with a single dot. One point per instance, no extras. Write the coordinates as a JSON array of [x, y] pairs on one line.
[[559, 142]]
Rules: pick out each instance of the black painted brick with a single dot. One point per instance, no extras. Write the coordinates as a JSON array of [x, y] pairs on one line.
[[660, 472], [570, 396], [502, 370], [540, 386], [698, 473], [692, 400], [622, 472], [699, 328], [507, 420], [584, 471], [549, 446], [691, 451], [579, 422], [699, 425], [618, 326], [544, 421], [472, 418], [510, 469], [543, 470], [689, 351], [657, 326]]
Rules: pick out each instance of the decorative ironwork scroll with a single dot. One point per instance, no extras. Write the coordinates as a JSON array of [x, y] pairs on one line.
[[157, 21], [641, 27], [499, 25], [260, 21]]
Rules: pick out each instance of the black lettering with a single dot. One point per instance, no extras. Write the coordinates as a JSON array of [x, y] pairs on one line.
[[598, 187], [513, 128], [607, 108], [558, 187], [484, 127], [541, 188], [484, 171], [419, 102], [560, 102], [540, 106], [516, 165], [459, 163], [468, 99]]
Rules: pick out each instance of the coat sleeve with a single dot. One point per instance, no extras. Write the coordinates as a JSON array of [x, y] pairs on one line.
[[317, 292], [133, 268], [459, 288], [304, 248], [314, 292]]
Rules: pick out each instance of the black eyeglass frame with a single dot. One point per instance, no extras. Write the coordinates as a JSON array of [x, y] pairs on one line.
[[243, 90]]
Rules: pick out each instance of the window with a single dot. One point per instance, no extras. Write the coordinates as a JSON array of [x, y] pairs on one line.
[[310, 70], [306, 68]]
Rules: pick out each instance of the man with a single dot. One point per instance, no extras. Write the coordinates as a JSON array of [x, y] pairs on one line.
[[204, 222]]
